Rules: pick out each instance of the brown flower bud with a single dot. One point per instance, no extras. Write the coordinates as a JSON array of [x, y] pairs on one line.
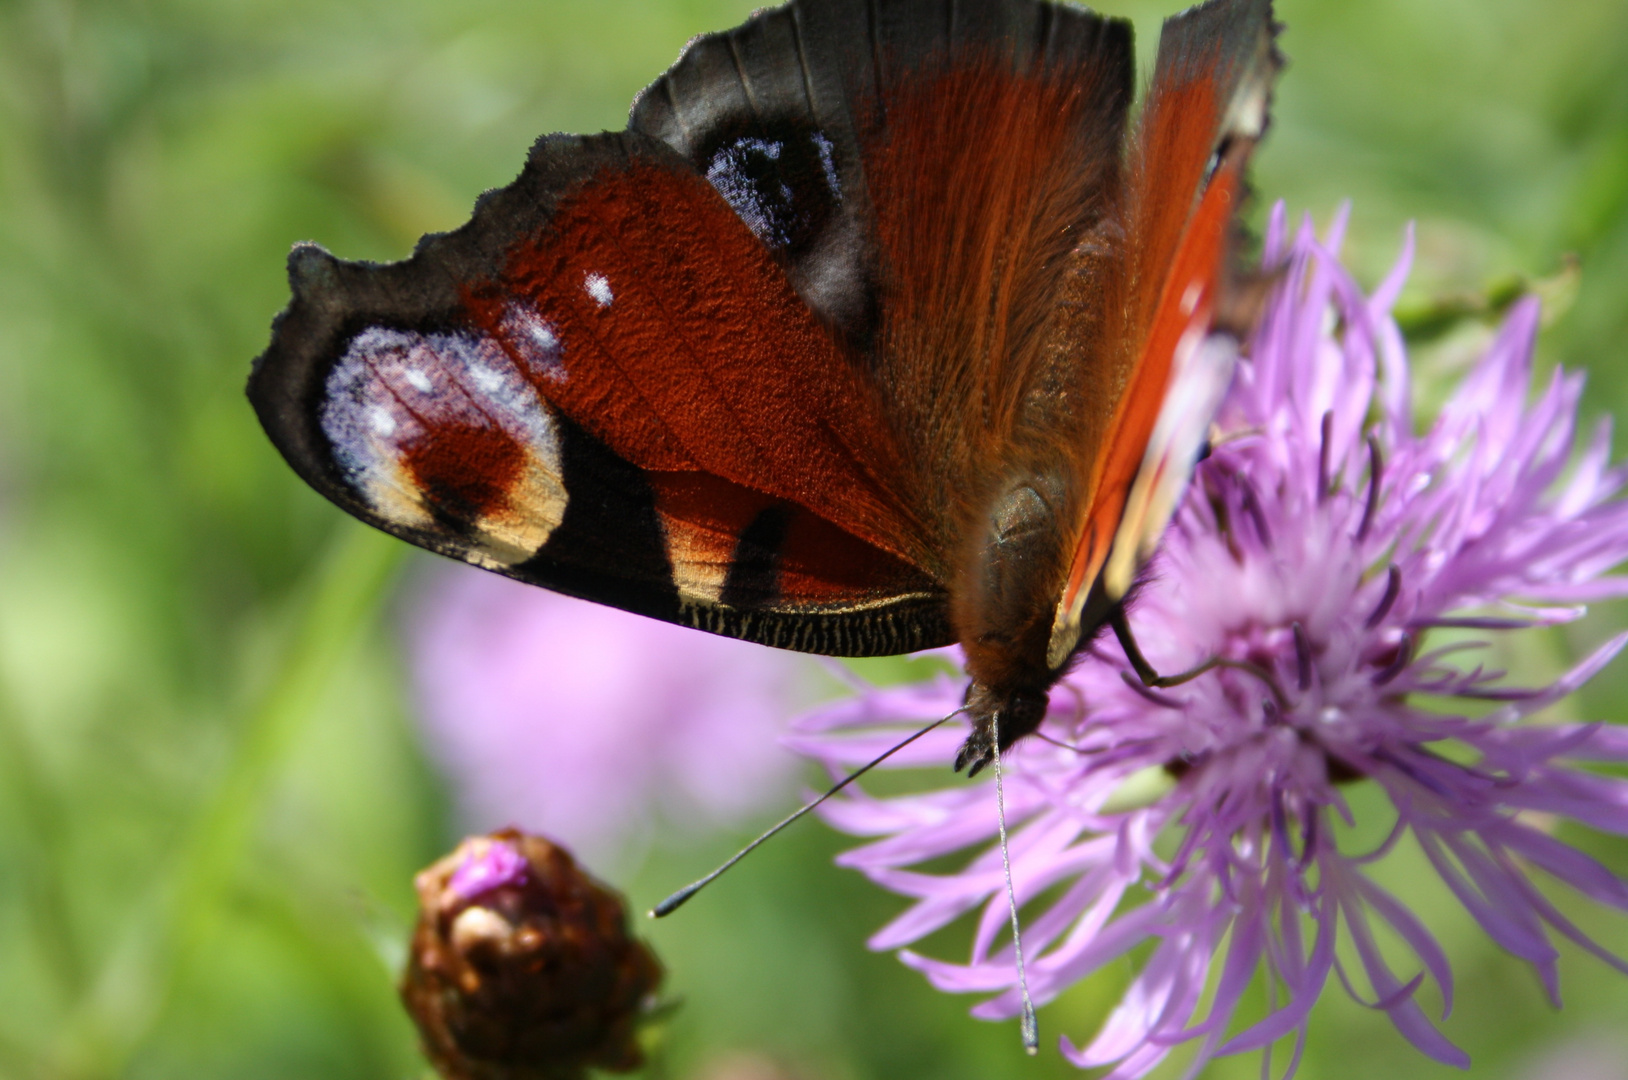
[[521, 965]]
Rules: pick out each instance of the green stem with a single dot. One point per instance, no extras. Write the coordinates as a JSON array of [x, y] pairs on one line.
[[130, 996], [43, 836]]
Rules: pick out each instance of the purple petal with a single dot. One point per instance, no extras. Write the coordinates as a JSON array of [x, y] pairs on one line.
[[1396, 998], [1318, 500], [1412, 931], [1582, 872], [1303, 991], [488, 865], [1496, 903]]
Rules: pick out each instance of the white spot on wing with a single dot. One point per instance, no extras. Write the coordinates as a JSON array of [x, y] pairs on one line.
[[1191, 296], [1247, 114], [418, 380], [489, 382], [599, 288]]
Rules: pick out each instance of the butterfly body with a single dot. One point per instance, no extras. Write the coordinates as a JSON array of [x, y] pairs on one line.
[[861, 339]]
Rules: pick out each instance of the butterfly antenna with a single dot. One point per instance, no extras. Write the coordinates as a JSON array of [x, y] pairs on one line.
[[1029, 1026], [673, 902]]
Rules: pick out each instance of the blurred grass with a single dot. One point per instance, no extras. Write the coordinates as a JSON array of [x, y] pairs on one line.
[[211, 799]]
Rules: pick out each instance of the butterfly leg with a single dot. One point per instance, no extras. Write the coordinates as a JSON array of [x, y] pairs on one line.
[[1144, 670], [1150, 677]]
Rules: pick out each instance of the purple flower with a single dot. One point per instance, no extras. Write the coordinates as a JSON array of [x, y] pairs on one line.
[[593, 725], [1338, 563]]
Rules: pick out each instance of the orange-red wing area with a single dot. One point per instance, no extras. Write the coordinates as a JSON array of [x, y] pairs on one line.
[[677, 342], [987, 181]]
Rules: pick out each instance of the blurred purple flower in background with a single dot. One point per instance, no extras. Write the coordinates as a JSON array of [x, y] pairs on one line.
[[593, 725], [1318, 548]]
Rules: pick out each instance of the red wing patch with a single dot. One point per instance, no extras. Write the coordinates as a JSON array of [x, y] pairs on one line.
[[677, 341], [631, 404]]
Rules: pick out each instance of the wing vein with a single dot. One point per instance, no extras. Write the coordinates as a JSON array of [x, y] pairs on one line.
[[1047, 30], [675, 111], [705, 366], [873, 25], [802, 66], [740, 77]]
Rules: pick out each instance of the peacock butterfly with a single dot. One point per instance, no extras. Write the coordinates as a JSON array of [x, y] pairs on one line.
[[873, 332]]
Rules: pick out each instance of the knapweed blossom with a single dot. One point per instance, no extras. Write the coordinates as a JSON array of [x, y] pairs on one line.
[[1339, 563]]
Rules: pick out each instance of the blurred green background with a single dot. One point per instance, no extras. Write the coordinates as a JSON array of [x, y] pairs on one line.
[[211, 794]]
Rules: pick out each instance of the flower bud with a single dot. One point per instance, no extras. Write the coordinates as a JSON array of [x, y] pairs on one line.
[[521, 965]]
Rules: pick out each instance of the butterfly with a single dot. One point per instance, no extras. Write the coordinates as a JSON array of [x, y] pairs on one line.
[[881, 327]]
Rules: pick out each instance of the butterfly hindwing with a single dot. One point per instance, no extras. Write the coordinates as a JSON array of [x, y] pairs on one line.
[[768, 125]]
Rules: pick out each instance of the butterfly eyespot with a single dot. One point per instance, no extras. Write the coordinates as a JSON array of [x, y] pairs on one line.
[[781, 181], [744, 173], [901, 301], [446, 429], [464, 470]]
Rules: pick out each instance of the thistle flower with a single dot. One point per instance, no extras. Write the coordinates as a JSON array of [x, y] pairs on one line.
[[1334, 560], [592, 724]]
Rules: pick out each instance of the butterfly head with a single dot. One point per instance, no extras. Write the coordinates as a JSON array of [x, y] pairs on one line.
[[1009, 713]]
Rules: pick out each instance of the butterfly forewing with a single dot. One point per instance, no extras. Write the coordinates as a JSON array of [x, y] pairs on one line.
[[1206, 108], [604, 384]]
